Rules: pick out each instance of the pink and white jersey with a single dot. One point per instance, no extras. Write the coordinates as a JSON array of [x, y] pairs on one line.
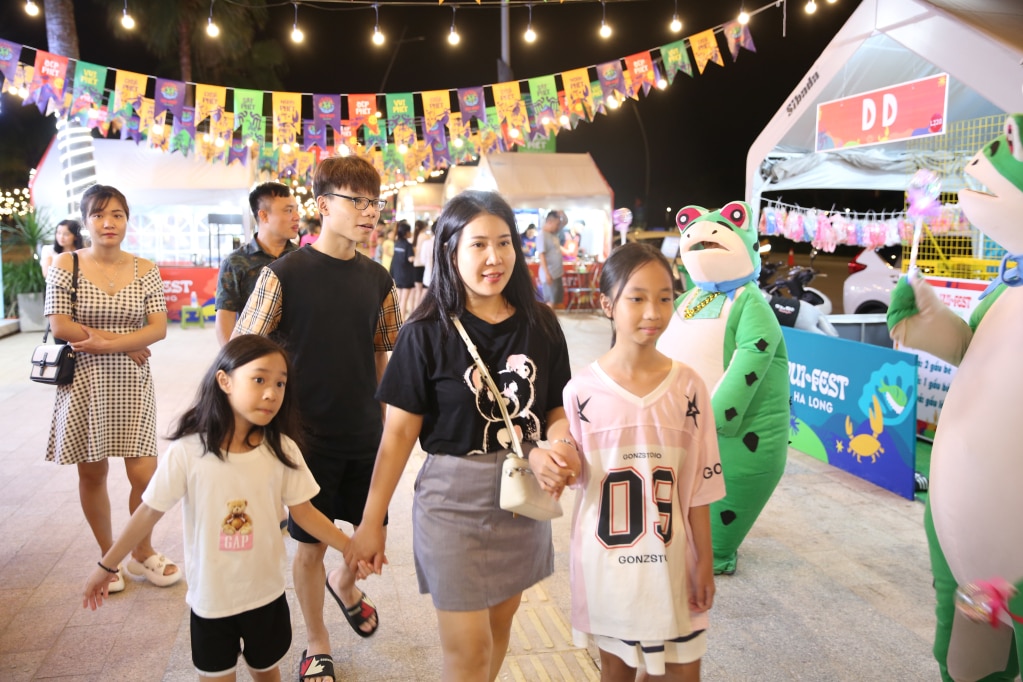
[[646, 461]]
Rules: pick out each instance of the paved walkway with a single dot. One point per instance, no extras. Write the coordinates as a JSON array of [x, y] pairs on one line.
[[833, 582]]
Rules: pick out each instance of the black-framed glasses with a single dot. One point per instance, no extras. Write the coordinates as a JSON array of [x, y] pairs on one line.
[[361, 203]]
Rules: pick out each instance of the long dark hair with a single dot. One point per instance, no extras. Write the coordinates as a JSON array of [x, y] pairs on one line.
[[75, 228], [446, 294], [211, 415], [620, 265], [98, 196]]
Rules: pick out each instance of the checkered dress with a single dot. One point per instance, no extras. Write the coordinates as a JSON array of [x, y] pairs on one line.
[[110, 409]]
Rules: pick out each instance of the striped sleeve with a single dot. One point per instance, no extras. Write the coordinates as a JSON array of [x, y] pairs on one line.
[[262, 312], [389, 321]]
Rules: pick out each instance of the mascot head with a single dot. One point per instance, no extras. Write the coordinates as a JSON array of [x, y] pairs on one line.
[[999, 167], [719, 248]]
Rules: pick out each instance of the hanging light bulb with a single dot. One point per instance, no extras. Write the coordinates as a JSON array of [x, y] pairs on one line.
[[662, 83], [514, 133], [403, 149], [378, 37], [743, 17], [675, 24], [249, 142], [530, 34], [219, 142], [212, 30], [126, 19], [564, 120], [296, 33], [285, 148], [613, 103], [605, 30], [811, 7], [31, 8], [832, 2], [458, 143], [453, 37]]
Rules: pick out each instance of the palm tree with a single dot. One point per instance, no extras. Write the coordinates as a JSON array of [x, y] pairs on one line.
[[61, 32]]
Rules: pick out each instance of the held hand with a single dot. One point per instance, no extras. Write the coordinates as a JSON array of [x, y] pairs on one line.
[[554, 469], [96, 587], [139, 357], [365, 552]]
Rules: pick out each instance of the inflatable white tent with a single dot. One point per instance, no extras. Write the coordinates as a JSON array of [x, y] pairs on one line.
[[978, 43]]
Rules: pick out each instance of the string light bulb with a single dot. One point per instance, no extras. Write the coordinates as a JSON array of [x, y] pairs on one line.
[[453, 37], [662, 83], [126, 19], [458, 143], [605, 30], [743, 17], [31, 8], [613, 103], [832, 2], [675, 24], [530, 34], [378, 37], [811, 7], [296, 33], [212, 30], [564, 120]]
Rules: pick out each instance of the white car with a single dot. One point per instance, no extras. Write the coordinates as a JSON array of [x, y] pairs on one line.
[[872, 276]]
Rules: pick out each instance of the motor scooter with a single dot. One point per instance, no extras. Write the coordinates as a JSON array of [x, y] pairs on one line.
[[804, 308], [796, 282]]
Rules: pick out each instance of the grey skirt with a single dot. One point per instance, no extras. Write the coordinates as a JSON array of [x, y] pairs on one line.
[[469, 553]]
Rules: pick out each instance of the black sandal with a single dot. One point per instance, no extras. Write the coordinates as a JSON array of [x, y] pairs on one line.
[[358, 614], [317, 665]]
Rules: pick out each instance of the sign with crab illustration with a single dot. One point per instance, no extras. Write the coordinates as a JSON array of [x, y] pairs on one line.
[[854, 406]]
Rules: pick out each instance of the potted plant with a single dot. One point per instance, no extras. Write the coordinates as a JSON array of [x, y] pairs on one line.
[[24, 284]]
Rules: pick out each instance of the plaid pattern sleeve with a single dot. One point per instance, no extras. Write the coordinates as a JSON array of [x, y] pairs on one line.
[[262, 312], [388, 322]]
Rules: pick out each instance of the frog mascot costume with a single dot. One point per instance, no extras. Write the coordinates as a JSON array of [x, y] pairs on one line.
[[725, 330], [975, 511]]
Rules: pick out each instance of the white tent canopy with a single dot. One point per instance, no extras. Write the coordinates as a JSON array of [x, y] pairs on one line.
[[886, 42]]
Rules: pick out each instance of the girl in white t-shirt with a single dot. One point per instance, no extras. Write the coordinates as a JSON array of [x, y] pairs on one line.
[[641, 564], [233, 461]]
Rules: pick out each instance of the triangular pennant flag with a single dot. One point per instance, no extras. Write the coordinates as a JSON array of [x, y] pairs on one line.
[[87, 92], [472, 104], [510, 107], [248, 115], [9, 53], [578, 93], [327, 111], [676, 58], [360, 108], [183, 133], [642, 72], [287, 107], [210, 102], [705, 49], [612, 79], [48, 77], [737, 35], [170, 96]]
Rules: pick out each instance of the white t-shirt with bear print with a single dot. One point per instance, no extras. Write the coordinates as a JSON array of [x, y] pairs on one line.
[[235, 559]]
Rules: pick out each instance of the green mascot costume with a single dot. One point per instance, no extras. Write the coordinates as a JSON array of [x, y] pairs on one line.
[[725, 330], [974, 514]]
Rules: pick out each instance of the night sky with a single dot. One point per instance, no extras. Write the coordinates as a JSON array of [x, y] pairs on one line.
[[698, 131]]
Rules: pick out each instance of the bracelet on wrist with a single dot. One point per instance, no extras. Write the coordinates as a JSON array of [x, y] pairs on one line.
[[566, 441], [108, 570]]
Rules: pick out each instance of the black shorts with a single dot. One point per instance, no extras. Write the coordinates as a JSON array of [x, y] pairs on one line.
[[344, 487], [262, 636], [420, 271]]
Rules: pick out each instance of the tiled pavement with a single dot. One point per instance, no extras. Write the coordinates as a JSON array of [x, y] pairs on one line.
[[833, 581]]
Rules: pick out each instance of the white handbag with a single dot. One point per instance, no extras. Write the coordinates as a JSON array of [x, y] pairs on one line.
[[520, 491]]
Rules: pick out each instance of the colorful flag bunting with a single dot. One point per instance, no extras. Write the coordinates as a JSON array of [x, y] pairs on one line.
[[248, 115], [210, 102], [737, 35], [170, 96], [472, 104], [360, 108], [642, 71], [611, 79], [287, 107], [48, 77], [705, 49], [327, 111], [578, 93], [9, 53], [183, 134], [87, 91]]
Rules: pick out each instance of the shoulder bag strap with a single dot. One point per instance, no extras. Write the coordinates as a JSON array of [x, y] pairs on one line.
[[74, 294], [485, 373]]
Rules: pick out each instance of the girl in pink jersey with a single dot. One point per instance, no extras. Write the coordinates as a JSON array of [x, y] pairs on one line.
[[642, 570]]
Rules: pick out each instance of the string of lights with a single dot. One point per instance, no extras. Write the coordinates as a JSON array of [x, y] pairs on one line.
[[378, 38]]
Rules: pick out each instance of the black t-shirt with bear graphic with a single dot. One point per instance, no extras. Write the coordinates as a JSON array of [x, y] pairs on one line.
[[432, 374]]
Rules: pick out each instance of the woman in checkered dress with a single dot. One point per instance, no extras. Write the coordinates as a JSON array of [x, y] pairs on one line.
[[109, 410]]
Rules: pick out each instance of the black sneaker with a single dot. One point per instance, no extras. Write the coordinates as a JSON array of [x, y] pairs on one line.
[[921, 483]]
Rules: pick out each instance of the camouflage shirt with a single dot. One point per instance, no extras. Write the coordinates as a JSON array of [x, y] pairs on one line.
[[239, 272]]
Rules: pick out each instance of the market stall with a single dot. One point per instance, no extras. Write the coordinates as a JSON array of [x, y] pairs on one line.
[[842, 127]]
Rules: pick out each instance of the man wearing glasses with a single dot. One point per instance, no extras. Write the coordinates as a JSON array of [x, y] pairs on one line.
[[336, 312]]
